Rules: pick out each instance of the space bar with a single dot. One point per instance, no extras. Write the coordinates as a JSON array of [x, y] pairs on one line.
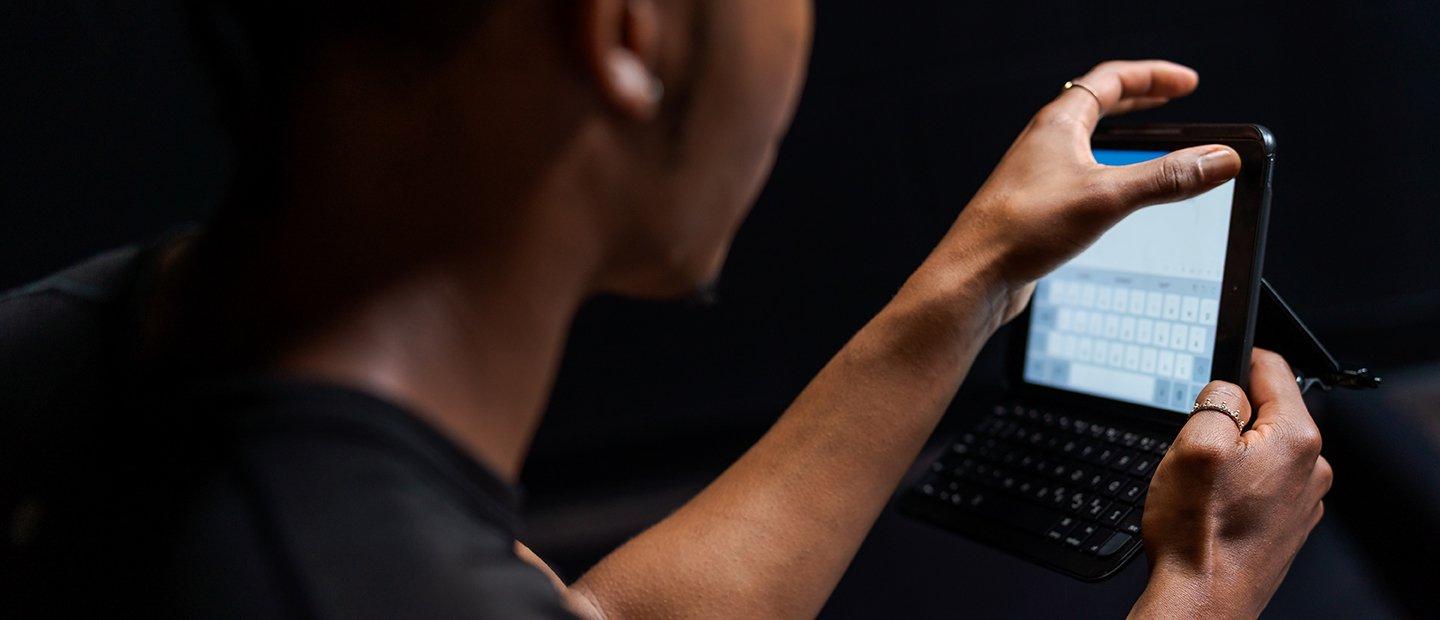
[[1129, 385], [1026, 516]]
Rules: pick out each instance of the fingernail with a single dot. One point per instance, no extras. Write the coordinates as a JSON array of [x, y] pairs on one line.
[[1221, 164]]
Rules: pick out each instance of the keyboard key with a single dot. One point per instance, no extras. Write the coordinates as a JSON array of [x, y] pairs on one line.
[[1061, 529], [1153, 303], [1105, 455], [1184, 367], [1097, 540], [1148, 358], [1202, 370], [1190, 309], [1208, 309], [1041, 491], [1096, 325], [1052, 292], [1197, 339], [1143, 464], [1127, 329], [1161, 395], [1166, 365], [1132, 492], [1114, 514], [1162, 334], [1182, 394], [1123, 461], [1059, 471], [1113, 485], [1137, 302], [1113, 545], [1078, 536], [1096, 508], [1131, 523], [1179, 336], [1063, 292], [1145, 331], [1171, 310]]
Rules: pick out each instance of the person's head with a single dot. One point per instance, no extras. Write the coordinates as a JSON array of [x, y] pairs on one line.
[[644, 127]]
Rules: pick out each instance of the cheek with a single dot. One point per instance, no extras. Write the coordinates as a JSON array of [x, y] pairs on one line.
[[741, 108], [755, 81]]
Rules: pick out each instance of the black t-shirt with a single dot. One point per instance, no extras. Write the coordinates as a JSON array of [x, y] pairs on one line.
[[333, 503], [242, 498]]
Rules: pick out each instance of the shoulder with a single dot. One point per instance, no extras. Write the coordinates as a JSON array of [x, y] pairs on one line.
[[354, 524]]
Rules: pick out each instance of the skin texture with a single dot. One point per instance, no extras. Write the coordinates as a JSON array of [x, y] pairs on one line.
[[1228, 511], [572, 148]]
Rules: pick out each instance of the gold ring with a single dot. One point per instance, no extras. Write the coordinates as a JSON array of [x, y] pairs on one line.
[[1210, 405], [1073, 84]]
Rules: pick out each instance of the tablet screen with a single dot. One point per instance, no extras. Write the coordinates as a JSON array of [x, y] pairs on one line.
[[1133, 317]]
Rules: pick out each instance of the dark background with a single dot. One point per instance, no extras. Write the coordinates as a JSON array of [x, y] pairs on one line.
[[108, 135]]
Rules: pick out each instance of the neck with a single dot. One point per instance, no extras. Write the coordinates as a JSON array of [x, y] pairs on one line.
[[469, 343]]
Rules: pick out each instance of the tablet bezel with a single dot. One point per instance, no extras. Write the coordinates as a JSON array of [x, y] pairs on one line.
[[1244, 256]]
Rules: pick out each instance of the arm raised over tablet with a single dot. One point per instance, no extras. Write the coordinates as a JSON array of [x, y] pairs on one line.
[[773, 534]]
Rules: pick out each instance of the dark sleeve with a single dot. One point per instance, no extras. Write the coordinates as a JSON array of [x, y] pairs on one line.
[[333, 530]]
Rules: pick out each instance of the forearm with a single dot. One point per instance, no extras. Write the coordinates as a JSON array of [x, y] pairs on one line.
[[775, 532]]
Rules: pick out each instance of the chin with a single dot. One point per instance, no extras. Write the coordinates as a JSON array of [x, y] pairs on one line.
[[687, 278]]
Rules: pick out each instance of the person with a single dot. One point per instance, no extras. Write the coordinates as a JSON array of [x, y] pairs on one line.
[[336, 381]]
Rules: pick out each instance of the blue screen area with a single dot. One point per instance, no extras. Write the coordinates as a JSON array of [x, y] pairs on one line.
[[1133, 317]]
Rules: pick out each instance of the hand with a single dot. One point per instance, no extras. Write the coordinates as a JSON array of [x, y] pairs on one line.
[[1227, 512], [1048, 199]]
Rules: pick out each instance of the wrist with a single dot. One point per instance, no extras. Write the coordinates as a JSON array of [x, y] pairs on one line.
[[954, 296], [966, 279], [1176, 592]]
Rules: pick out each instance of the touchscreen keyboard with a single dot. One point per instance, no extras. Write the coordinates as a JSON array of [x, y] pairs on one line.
[[1067, 483], [1150, 345]]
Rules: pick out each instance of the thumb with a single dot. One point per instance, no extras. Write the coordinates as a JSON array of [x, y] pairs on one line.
[[1174, 177]]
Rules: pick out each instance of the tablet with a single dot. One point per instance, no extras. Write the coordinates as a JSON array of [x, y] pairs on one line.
[[1163, 302], [1106, 364]]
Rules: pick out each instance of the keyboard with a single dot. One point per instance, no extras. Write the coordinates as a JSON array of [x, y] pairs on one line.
[[1149, 343], [1059, 489]]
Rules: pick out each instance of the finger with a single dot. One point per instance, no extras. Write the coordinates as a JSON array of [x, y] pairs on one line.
[[1171, 178], [1210, 435], [1279, 408], [1322, 477], [1136, 104], [1224, 396], [1115, 81]]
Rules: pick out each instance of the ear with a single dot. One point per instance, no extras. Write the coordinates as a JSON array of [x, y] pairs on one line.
[[619, 43]]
